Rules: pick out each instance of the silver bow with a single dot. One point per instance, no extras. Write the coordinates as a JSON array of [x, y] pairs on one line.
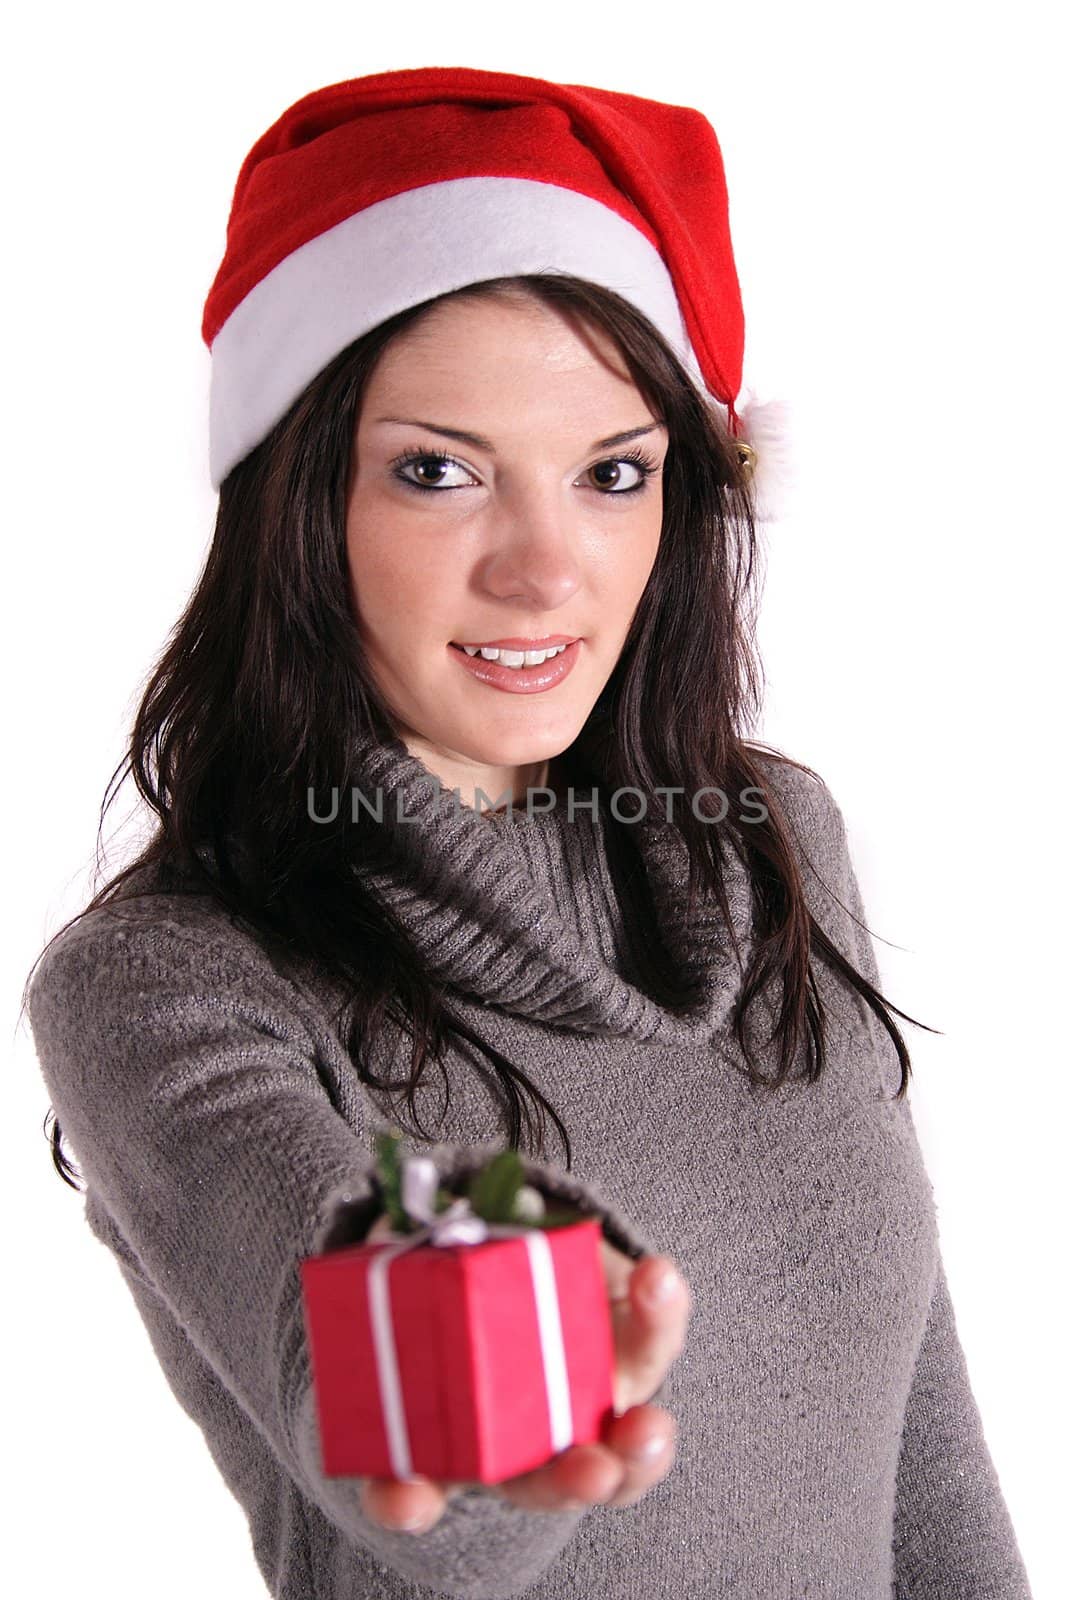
[[418, 1191]]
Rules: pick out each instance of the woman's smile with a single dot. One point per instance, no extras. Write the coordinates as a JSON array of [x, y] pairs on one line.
[[510, 673]]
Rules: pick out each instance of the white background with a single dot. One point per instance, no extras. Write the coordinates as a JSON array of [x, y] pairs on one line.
[[896, 202]]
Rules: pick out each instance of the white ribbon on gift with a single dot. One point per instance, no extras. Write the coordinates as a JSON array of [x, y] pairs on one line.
[[460, 1225]]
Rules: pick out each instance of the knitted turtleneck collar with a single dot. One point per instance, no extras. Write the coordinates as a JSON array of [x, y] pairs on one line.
[[501, 907]]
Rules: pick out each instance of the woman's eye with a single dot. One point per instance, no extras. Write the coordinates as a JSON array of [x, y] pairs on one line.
[[614, 469], [439, 466]]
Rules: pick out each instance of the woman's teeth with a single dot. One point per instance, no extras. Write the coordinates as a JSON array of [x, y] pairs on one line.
[[515, 658]]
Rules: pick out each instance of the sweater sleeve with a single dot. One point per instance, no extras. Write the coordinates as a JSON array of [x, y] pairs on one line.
[[953, 1536], [189, 1086]]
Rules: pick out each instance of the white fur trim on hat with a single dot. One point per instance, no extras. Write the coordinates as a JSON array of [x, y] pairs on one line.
[[766, 426], [400, 252]]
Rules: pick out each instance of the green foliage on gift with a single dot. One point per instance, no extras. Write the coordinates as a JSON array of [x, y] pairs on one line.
[[389, 1178], [494, 1190], [496, 1194]]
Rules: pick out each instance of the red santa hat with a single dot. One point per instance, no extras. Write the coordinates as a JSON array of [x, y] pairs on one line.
[[373, 195]]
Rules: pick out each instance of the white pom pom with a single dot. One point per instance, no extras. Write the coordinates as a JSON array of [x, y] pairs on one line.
[[529, 1204], [765, 425]]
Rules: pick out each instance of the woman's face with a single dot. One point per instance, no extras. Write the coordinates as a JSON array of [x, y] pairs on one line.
[[537, 529]]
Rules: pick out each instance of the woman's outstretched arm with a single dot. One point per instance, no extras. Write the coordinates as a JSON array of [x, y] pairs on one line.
[[186, 1080]]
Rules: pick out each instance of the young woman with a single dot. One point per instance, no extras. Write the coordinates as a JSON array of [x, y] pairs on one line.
[[458, 827]]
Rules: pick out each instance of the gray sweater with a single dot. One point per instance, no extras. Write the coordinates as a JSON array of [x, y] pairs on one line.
[[828, 1440]]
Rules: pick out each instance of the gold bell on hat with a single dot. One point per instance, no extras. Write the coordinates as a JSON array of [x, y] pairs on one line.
[[767, 461]]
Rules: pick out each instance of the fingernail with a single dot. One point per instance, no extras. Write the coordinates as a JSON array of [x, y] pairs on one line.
[[664, 1288], [649, 1449], [417, 1524]]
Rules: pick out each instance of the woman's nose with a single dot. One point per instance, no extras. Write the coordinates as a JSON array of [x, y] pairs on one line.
[[535, 554]]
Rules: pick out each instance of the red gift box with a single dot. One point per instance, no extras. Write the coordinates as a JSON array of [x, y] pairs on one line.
[[462, 1362]]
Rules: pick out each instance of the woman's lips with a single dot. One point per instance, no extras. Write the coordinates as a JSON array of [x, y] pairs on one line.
[[519, 680], [548, 643]]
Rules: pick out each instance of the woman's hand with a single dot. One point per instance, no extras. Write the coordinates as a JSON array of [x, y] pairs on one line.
[[650, 1307]]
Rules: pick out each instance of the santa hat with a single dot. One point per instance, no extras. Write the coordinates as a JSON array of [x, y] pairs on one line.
[[373, 195]]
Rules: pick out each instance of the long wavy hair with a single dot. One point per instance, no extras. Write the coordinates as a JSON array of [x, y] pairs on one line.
[[263, 690]]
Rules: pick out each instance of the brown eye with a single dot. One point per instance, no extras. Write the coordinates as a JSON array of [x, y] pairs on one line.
[[607, 473], [645, 466], [430, 464], [438, 465]]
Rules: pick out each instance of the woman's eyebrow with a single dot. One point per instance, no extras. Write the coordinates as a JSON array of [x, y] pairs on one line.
[[481, 443]]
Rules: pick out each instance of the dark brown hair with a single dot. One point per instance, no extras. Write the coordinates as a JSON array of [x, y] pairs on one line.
[[263, 684]]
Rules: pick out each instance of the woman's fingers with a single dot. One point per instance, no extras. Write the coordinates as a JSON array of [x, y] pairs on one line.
[[650, 1318], [644, 1442], [403, 1507], [584, 1475], [637, 1451]]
